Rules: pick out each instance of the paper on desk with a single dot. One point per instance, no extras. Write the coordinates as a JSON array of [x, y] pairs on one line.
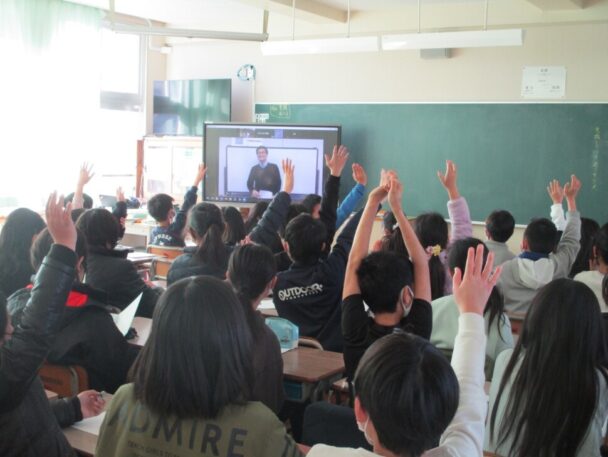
[[124, 320], [90, 425], [267, 303]]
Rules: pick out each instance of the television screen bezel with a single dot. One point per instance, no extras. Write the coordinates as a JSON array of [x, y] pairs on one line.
[[259, 125]]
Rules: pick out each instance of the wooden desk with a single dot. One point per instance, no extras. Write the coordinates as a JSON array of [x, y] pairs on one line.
[[310, 365], [139, 258], [83, 442]]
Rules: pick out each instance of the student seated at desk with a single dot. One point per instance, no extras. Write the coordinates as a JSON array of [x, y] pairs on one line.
[[191, 383], [500, 225], [170, 229], [542, 258], [549, 395], [384, 281], [18, 233], [409, 401], [108, 269], [235, 226], [252, 273], [445, 312], [210, 255], [29, 425], [87, 335]]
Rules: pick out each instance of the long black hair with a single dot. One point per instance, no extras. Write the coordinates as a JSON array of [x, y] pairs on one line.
[[589, 228], [235, 227], [250, 269], [207, 225], [457, 258], [600, 245], [16, 238], [255, 214], [394, 243], [432, 230], [555, 390], [197, 359]]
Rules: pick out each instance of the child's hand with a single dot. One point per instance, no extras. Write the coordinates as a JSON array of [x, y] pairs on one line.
[[120, 195], [91, 403], [571, 191], [288, 172], [472, 291], [200, 174], [85, 174], [395, 194], [359, 175], [556, 192], [449, 179], [59, 222], [379, 193], [337, 161]]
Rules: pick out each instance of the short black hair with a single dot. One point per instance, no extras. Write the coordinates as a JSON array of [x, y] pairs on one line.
[[42, 246], [500, 224], [389, 221], [541, 235], [76, 213], [382, 276], [305, 237], [100, 228], [87, 201], [295, 209], [605, 289], [600, 242], [409, 390], [159, 206], [197, 359], [310, 201], [257, 150]]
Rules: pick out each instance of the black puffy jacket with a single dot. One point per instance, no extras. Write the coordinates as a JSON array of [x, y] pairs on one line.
[[28, 426]]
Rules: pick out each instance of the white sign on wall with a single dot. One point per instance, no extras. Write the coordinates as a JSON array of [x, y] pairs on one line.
[[543, 82]]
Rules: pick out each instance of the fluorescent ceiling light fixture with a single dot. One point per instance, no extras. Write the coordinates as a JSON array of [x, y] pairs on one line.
[[470, 39], [321, 46], [187, 33]]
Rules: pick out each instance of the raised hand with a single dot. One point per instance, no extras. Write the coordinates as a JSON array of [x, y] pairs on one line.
[[359, 175], [120, 195], [473, 290], [395, 194], [556, 192], [337, 161], [91, 403], [571, 191], [59, 222], [200, 174], [85, 174], [449, 179], [379, 193], [288, 172]]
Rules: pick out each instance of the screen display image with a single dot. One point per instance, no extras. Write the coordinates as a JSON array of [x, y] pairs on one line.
[[182, 106], [244, 160]]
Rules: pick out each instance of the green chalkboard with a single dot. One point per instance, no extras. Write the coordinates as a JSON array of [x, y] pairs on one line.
[[506, 153]]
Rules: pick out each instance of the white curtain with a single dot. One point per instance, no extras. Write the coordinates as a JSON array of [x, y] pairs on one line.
[[49, 81]]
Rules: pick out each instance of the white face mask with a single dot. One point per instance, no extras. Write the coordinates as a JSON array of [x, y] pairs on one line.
[[363, 428]]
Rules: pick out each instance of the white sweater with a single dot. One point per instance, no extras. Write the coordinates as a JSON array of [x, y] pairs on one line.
[[464, 435]]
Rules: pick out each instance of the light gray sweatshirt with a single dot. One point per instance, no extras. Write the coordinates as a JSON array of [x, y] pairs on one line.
[[521, 278]]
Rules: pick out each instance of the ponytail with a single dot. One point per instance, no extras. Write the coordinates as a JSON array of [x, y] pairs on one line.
[[437, 273], [495, 306], [432, 230], [207, 222]]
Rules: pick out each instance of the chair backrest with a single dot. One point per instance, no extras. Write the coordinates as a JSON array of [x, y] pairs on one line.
[[167, 252], [286, 331], [159, 268], [309, 342], [66, 381]]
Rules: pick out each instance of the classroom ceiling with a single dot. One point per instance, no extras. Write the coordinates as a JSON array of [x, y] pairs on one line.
[[324, 17]]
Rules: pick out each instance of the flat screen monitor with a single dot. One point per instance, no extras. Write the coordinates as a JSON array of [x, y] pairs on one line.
[[182, 106], [244, 160]]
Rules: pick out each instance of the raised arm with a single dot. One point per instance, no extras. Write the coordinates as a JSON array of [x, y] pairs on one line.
[[22, 355], [351, 201], [190, 198], [458, 209], [556, 193], [464, 435], [569, 244], [84, 176], [360, 245], [329, 202], [422, 280]]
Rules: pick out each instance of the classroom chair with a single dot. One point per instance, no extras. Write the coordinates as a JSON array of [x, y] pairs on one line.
[[65, 381], [309, 342], [159, 268], [167, 252]]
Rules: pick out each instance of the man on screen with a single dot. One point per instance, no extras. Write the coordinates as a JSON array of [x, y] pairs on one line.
[[263, 177]]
